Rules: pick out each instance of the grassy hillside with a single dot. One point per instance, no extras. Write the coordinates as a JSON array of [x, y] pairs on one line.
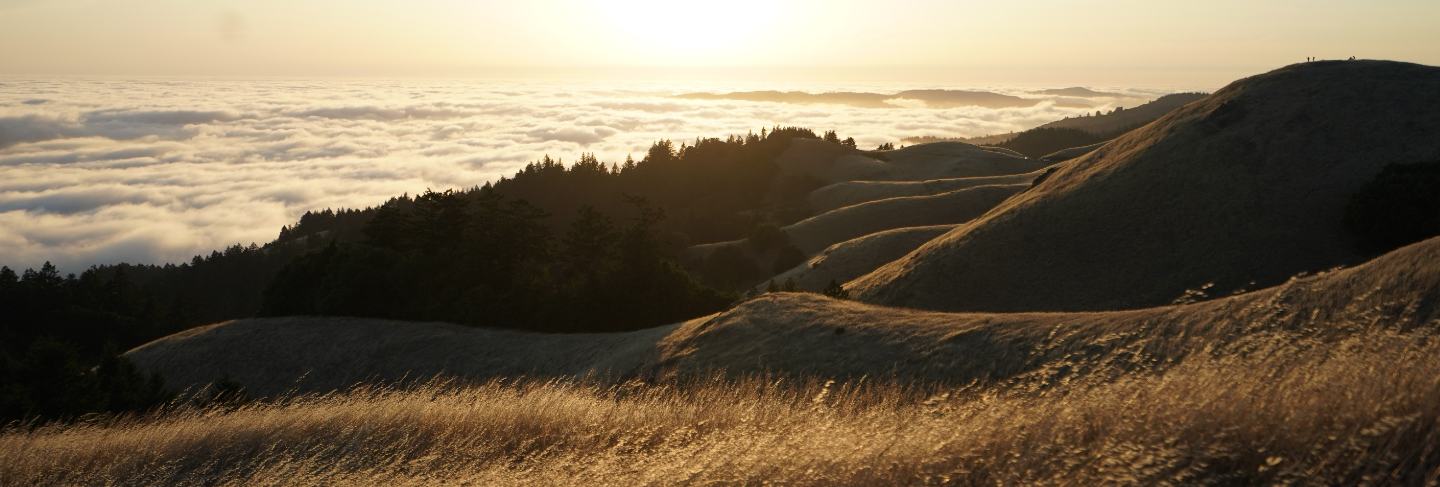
[[807, 335], [1275, 416], [831, 163], [858, 256], [929, 184], [1284, 385], [816, 233], [840, 195], [1240, 190]]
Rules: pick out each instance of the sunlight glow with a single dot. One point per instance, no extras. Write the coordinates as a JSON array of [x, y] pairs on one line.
[[684, 32]]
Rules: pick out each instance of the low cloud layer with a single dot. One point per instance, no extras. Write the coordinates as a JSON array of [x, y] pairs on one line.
[[103, 171]]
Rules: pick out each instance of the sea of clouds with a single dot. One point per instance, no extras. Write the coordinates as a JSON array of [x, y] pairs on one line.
[[96, 171]]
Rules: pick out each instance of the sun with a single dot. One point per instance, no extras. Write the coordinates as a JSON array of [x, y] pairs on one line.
[[691, 29]]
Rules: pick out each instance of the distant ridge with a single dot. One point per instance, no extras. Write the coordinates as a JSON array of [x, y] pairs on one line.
[[1104, 126], [1079, 92], [930, 98], [1129, 117]]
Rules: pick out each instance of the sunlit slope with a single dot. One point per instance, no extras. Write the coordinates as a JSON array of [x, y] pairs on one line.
[[1241, 189], [810, 335]]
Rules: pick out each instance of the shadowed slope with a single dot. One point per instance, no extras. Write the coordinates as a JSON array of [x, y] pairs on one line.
[[1247, 185]]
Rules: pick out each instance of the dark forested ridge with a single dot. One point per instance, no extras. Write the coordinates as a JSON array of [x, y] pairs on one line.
[[587, 246]]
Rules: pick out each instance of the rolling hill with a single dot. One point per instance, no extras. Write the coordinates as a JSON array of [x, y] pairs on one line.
[[814, 234], [848, 193], [832, 163], [1237, 191], [858, 256]]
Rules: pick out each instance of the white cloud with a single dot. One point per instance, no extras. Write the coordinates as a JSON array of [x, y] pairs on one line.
[[100, 171]]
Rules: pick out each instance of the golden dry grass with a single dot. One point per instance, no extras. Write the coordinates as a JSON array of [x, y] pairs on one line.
[[1360, 410]]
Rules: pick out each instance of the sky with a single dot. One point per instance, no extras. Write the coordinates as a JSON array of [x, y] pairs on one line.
[[1171, 43]]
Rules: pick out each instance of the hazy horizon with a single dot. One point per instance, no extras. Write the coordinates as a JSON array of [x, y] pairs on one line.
[[1040, 42]]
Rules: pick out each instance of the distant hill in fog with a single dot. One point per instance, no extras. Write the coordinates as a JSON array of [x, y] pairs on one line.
[[1078, 91], [1103, 124], [930, 98], [1127, 118]]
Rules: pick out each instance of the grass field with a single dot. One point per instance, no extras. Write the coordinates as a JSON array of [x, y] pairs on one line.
[[1286, 410]]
